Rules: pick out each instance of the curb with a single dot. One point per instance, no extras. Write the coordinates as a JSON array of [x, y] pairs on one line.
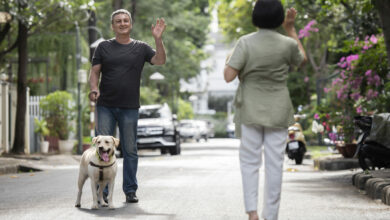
[[9, 169], [26, 163], [339, 163], [386, 195], [376, 184]]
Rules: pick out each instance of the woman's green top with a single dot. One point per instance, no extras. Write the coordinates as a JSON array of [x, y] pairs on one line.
[[263, 59]]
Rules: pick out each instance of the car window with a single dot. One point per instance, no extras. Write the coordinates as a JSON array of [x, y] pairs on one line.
[[187, 125], [149, 113], [162, 112]]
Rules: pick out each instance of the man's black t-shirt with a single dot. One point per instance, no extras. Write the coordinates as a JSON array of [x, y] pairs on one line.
[[121, 69]]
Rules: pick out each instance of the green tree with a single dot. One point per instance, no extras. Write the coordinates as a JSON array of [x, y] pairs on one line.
[[185, 110], [149, 96], [32, 17], [383, 7]]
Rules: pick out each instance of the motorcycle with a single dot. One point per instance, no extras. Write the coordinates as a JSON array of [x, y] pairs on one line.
[[373, 142], [296, 144]]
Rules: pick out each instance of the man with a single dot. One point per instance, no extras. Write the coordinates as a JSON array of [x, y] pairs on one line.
[[120, 61]]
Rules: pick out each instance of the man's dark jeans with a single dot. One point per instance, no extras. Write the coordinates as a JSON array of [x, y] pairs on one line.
[[107, 119]]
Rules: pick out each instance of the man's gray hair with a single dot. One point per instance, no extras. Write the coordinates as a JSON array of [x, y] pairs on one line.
[[120, 11]]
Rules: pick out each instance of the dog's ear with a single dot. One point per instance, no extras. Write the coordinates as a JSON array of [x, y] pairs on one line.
[[95, 139], [116, 141]]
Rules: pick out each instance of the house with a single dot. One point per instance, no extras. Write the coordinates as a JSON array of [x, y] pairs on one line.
[[210, 82]]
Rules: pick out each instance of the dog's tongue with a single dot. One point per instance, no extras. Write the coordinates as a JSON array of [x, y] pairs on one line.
[[105, 157]]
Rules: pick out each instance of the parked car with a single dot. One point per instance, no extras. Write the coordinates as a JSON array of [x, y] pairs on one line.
[[230, 129], [210, 129], [196, 129], [189, 129], [206, 129], [157, 129]]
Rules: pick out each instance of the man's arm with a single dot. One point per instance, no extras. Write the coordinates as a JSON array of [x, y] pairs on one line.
[[94, 82], [160, 57]]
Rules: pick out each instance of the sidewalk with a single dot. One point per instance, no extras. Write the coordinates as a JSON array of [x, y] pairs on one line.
[[375, 184], [23, 163]]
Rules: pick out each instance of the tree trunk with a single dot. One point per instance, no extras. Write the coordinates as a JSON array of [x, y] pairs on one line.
[[117, 4], [383, 7], [19, 140], [64, 82], [133, 9], [92, 37]]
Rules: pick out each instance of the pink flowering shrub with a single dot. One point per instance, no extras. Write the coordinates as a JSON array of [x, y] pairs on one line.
[[362, 86], [305, 32]]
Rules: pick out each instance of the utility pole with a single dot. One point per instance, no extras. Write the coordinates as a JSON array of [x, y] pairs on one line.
[[78, 64]]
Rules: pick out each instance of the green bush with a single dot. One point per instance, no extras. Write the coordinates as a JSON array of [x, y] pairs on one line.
[[58, 112], [219, 121], [149, 96], [185, 110]]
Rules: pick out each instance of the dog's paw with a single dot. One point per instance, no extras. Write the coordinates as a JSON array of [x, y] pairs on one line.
[[104, 204], [111, 207], [77, 206], [94, 207]]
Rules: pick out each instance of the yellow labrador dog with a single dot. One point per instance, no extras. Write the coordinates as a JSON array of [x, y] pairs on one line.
[[99, 164]]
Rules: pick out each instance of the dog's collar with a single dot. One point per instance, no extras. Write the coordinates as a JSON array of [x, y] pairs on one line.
[[100, 166]]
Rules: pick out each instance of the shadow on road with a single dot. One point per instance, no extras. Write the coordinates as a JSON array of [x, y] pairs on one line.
[[126, 210]]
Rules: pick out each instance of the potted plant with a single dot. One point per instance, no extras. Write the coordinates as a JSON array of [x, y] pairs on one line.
[[87, 142], [57, 110], [42, 130]]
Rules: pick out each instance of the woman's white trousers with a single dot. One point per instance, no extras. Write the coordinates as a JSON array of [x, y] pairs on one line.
[[253, 139]]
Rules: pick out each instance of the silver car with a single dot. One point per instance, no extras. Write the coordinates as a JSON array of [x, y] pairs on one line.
[[157, 129]]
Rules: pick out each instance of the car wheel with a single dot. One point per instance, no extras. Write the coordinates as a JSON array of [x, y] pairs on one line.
[[298, 159], [176, 150], [163, 151]]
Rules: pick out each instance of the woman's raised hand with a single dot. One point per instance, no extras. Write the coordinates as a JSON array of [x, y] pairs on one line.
[[289, 20]]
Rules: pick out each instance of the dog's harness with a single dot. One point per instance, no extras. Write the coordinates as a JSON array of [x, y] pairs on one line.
[[100, 168]]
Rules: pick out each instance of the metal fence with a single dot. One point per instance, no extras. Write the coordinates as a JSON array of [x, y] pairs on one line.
[[33, 108]]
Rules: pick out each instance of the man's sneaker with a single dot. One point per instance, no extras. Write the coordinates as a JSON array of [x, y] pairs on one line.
[[131, 198]]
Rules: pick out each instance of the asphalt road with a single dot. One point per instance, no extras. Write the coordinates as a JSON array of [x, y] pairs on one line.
[[204, 182]]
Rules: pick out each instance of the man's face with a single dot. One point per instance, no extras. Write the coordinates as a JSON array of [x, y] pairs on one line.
[[121, 24]]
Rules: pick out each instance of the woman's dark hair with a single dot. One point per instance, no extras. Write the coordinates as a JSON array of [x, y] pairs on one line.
[[268, 14]]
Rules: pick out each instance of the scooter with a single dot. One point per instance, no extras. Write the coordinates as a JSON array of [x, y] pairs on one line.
[[373, 142], [296, 144]]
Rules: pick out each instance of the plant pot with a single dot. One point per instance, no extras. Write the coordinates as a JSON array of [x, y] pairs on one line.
[[66, 146], [347, 150], [53, 143], [86, 147], [45, 147]]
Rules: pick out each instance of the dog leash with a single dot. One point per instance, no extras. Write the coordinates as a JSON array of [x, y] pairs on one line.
[[100, 168]]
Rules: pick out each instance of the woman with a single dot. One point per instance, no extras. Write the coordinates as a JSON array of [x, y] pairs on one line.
[[264, 111]]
